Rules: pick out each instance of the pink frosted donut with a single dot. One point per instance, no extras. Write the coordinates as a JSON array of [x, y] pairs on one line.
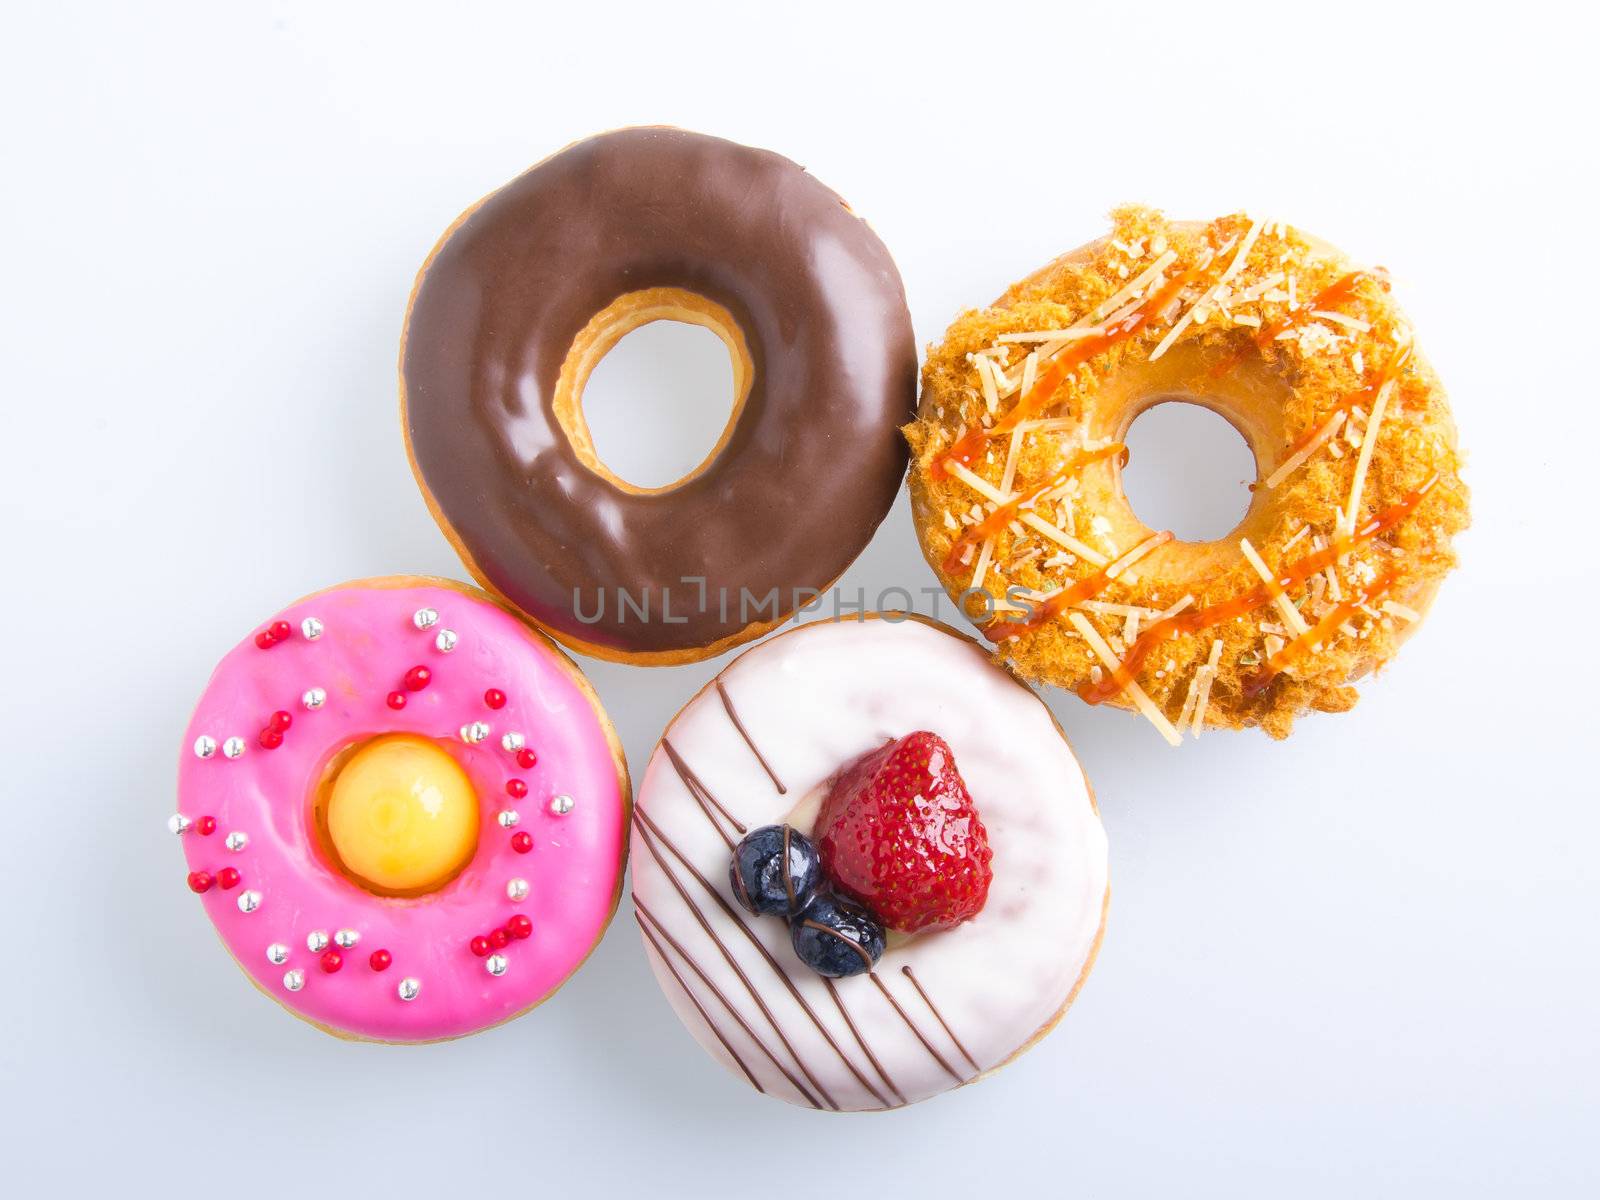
[[261, 811]]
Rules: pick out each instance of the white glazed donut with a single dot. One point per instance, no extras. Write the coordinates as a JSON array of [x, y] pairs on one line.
[[758, 747]]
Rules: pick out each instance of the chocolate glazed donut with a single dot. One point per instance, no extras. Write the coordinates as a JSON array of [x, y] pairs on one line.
[[529, 290]]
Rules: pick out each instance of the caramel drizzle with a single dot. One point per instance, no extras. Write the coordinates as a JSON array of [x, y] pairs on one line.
[[1005, 513], [971, 444], [1340, 290], [702, 794], [1366, 393], [733, 715], [716, 991], [649, 827], [861, 1041], [939, 1017], [912, 1025], [1087, 588], [650, 937], [1196, 620], [1293, 651]]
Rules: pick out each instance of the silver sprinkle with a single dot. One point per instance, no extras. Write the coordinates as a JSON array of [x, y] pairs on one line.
[[513, 742], [317, 941], [294, 979], [346, 938], [277, 954], [249, 901], [409, 988], [233, 747], [496, 965], [507, 818], [517, 890], [311, 629], [205, 747], [313, 698], [425, 618], [178, 823], [446, 641], [474, 733], [561, 805], [236, 841]]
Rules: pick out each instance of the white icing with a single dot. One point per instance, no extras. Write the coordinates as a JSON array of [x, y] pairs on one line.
[[812, 700]]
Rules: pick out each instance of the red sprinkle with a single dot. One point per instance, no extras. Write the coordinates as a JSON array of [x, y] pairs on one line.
[[515, 787], [494, 698], [200, 881], [270, 738], [279, 630], [228, 878], [332, 961], [499, 939], [520, 926], [522, 841], [479, 946], [380, 960], [397, 699], [265, 640], [526, 758], [205, 826], [281, 720], [417, 678]]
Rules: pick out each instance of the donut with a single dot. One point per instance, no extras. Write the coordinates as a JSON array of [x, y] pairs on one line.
[[403, 811], [764, 752], [1018, 453], [533, 285]]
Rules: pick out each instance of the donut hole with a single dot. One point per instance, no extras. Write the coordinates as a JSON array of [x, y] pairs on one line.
[[1189, 470], [659, 402]]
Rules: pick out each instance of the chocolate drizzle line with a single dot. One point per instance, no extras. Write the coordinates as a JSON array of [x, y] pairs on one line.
[[646, 922], [702, 794], [733, 715], [833, 991], [727, 955], [788, 876], [862, 1042], [808, 923], [646, 824], [939, 1017], [704, 1015], [912, 1025]]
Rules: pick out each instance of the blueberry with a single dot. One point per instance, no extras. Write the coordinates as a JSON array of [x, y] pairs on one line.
[[775, 871], [837, 937]]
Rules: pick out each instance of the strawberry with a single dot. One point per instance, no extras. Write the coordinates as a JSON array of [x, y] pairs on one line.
[[899, 833]]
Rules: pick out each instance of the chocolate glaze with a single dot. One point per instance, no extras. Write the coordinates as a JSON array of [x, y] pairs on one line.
[[814, 460]]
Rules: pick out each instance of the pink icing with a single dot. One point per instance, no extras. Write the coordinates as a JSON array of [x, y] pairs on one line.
[[368, 642]]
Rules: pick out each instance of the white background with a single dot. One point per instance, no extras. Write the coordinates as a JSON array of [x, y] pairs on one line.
[[1363, 961]]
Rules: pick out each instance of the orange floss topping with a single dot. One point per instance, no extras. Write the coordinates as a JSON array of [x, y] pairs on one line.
[[1312, 639], [1284, 579], [1005, 513], [966, 450]]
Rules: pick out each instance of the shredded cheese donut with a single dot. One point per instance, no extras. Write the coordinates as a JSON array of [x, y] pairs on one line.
[[1016, 484]]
